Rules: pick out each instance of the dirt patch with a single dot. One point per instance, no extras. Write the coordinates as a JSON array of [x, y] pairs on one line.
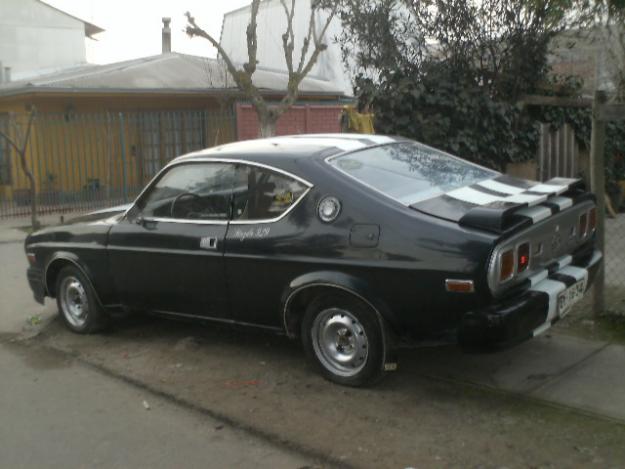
[[262, 382]]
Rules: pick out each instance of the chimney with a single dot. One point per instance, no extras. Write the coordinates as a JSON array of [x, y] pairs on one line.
[[166, 36], [7, 74]]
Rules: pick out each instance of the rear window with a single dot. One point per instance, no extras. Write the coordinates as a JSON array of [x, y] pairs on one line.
[[409, 172]]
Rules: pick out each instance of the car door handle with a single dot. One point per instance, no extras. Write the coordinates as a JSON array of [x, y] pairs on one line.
[[208, 242]]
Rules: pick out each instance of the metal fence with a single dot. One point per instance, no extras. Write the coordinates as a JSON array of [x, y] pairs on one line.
[[87, 161], [559, 155]]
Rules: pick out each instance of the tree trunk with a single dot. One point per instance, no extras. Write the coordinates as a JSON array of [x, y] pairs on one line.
[[32, 189], [267, 127], [267, 120], [33, 202]]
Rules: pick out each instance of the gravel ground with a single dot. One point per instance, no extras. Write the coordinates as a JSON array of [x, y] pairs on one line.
[[262, 383]]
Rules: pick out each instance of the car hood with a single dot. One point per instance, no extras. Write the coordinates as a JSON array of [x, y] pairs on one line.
[[99, 215], [503, 202]]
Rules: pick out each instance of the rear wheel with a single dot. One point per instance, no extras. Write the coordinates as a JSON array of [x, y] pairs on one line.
[[80, 311], [345, 340]]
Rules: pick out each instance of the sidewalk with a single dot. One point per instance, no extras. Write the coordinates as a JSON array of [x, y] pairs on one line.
[[14, 230], [556, 368]]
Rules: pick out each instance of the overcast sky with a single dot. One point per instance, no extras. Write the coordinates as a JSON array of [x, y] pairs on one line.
[[133, 27]]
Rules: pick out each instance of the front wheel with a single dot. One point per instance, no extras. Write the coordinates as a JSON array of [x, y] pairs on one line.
[[345, 339], [79, 308]]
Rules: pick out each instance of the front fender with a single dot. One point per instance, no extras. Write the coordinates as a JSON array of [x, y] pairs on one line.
[[331, 279], [53, 265]]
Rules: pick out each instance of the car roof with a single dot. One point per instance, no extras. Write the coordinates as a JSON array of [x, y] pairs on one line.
[[273, 149]]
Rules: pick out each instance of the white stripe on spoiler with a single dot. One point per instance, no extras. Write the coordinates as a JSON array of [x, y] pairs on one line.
[[500, 187]]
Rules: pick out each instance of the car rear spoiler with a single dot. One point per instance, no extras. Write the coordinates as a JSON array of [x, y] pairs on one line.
[[505, 203]]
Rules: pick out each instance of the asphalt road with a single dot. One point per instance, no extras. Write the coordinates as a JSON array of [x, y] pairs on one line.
[[58, 412]]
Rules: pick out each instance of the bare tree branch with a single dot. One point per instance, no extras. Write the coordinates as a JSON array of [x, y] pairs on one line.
[[269, 114], [252, 40], [288, 38], [10, 141], [21, 149]]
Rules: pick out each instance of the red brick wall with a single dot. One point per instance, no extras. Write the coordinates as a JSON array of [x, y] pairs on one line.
[[304, 119]]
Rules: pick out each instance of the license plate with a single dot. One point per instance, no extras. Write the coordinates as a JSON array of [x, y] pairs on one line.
[[570, 296]]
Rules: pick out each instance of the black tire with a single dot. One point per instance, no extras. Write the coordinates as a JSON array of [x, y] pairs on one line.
[[74, 295], [329, 317]]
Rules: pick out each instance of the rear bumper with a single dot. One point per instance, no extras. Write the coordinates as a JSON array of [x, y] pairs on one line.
[[35, 280], [532, 312]]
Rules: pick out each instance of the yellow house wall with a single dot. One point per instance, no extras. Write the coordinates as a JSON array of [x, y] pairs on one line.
[[73, 140]]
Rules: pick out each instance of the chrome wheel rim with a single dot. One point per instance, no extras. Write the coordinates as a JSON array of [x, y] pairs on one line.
[[74, 301], [340, 342]]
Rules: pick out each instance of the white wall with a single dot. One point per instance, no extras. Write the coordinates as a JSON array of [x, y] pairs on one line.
[[271, 25], [35, 39]]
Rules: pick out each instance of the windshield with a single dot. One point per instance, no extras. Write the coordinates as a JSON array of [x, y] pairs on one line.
[[409, 171]]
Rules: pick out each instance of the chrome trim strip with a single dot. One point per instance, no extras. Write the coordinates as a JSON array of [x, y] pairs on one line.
[[278, 218], [189, 159], [535, 233], [185, 220], [221, 320], [187, 252]]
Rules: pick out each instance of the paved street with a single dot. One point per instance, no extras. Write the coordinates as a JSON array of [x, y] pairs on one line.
[[553, 402], [59, 413]]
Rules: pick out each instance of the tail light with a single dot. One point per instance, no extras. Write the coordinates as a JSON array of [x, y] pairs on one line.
[[583, 224], [592, 219], [506, 266], [523, 257]]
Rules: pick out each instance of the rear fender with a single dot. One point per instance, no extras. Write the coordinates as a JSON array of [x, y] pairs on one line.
[[330, 280]]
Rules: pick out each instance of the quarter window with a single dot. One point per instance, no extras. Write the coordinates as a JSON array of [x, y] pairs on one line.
[[193, 191], [261, 194]]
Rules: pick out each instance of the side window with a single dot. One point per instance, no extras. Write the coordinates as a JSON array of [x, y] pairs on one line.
[[192, 191], [261, 194]]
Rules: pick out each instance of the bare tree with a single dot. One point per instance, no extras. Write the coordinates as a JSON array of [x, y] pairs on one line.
[[603, 22], [20, 144], [268, 113]]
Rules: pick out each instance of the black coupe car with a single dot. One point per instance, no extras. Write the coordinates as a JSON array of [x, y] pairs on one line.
[[346, 241]]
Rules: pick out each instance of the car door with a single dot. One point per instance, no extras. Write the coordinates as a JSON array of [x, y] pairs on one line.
[[166, 254], [264, 242]]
